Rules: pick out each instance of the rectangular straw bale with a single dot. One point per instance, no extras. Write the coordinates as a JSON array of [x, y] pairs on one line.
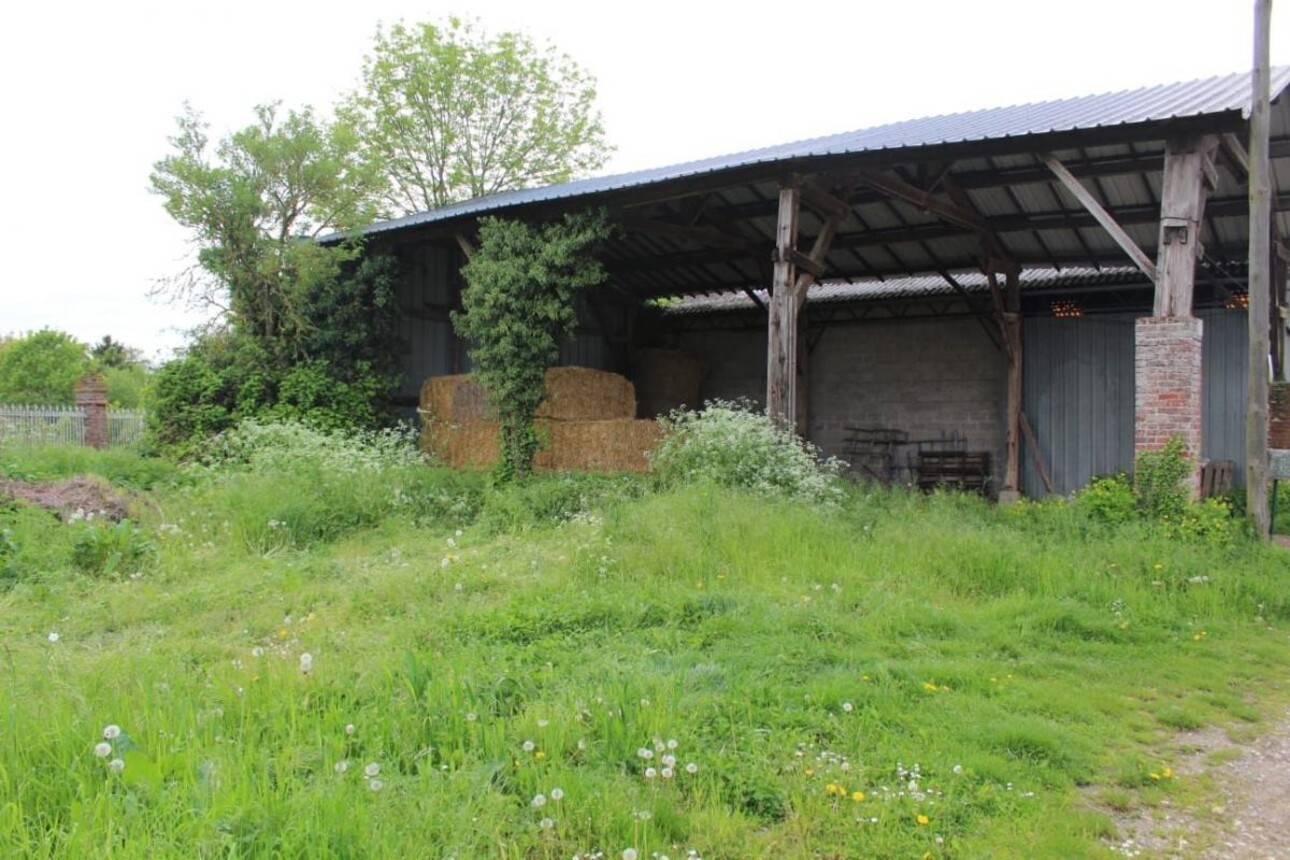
[[467, 445], [615, 445], [437, 394], [583, 394]]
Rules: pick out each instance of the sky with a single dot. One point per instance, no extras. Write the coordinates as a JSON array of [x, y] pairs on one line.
[[91, 91]]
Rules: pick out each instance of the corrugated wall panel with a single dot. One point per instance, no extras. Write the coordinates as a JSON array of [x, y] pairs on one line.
[[1224, 365], [1078, 395]]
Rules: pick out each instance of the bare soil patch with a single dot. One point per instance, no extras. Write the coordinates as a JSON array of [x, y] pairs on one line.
[[81, 496]]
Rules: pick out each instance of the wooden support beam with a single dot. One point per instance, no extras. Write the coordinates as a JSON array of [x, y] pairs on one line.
[[1038, 456], [1012, 461], [805, 262], [1089, 202], [1258, 316], [1237, 157], [467, 247], [781, 344], [822, 201], [1183, 194], [894, 186]]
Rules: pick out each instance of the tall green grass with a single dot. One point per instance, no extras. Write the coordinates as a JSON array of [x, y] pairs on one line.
[[896, 675]]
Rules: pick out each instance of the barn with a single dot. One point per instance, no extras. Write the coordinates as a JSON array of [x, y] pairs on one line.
[[1037, 290]]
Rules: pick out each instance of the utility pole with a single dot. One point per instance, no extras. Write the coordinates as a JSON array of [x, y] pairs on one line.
[[1256, 409]]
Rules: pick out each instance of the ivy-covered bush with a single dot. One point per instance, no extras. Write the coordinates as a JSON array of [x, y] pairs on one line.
[[732, 444]]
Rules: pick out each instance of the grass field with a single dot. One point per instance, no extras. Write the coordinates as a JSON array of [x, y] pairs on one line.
[[311, 659]]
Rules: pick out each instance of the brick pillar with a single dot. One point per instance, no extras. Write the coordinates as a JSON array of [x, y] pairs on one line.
[[1279, 415], [1167, 377], [91, 398]]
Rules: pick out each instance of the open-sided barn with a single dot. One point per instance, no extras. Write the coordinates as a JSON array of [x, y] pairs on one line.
[[1054, 285]]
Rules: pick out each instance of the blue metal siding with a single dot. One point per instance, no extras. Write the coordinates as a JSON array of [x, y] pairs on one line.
[[1224, 363]]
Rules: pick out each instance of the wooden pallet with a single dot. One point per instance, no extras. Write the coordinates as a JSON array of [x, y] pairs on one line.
[[967, 470]]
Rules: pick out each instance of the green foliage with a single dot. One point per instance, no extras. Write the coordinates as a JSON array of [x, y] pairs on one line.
[[112, 550], [1109, 499], [732, 445], [518, 303], [1158, 480], [252, 208], [448, 112], [41, 368], [120, 466], [109, 353]]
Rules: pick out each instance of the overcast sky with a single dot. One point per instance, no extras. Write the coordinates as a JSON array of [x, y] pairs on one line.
[[91, 91]]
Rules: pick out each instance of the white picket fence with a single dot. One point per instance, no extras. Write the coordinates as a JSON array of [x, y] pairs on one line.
[[43, 425]]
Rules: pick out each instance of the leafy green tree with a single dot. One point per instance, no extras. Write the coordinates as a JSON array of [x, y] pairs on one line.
[[450, 112], [253, 205], [518, 303], [112, 353], [41, 368]]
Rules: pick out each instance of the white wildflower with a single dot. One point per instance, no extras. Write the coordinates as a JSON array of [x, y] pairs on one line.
[[650, 773], [375, 784], [538, 801], [629, 854], [528, 746], [691, 768], [848, 707], [349, 728], [371, 770], [103, 749], [341, 766], [111, 732], [53, 637], [306, 663], [546, 823], [667, 773], [116, 765], [557, 794]]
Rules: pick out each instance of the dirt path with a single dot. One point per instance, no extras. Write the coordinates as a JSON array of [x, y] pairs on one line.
[[1246, 818]]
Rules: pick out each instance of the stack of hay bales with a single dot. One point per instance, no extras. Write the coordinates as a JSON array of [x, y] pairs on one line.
[[587, 421]]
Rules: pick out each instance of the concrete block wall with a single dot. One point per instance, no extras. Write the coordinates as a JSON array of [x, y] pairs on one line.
[[927, 377]]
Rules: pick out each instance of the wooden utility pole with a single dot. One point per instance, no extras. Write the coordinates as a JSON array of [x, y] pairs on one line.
[[1256, 410]]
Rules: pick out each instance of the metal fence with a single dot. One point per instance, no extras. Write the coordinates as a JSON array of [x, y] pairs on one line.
[[65, 425]]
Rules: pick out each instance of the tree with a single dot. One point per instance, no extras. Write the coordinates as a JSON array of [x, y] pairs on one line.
[[253, 209], [41, 368], [112, 353], [518, 303], [450, 113]]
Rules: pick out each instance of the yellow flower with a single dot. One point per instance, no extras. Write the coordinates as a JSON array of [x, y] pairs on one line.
[[857, 796], [539, 755], [1167, 773], [1154, 775], [930, 687], [810, 772], [923, 819], [832, 788]]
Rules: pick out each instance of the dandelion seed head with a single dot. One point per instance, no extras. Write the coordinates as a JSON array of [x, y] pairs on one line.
[[538, 801], [375, 784], [306, 663], [341, 766], [102, 749], [111, 732], [542, 724], [650, 773], [546, 823], [848, 707], [116, 765], [645, 753], [53, 637], [471, 717], [371, 770], [669, 761], [691, 768], [349, 728], [528, 746], [667, 773], [671, 743], [557, 794], [257, 651], [629, 854]]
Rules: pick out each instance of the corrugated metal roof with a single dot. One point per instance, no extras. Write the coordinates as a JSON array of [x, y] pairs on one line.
[[902, 288], [1208, 96]]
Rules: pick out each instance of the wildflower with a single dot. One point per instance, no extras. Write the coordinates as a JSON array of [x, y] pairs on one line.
[[102, 749], [539, 755], [1167, 773], [458, 532], [116, 765], [669, 761], [671, 743], [930, 687], [53, 637], [957, 769], [557, 794], [349, 728], [306, 663], [528, 746], [257, 651], [832, 788], [692, 768], [375, 784], [546, 823], [629, 854], [650, 773], [451, 543], [810, 771], [542, 724], [922, 820], [645, 752], [539, 801], [371, 770], [668, 773], [111, 732], [471, 717], [341, 766], [857, 796], [848, 707]]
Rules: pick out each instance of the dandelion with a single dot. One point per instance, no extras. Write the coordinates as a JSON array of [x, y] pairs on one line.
[[116, 765], [53, 637], [669, 761], [671, 743], [257, 651], [667, 773], [375, 784], [306, 663], [111, 732], [557, 794], [832, 788], [848, 707], [539, 755], [857, 796], [371, 770], [458, 532], [645, 753], [471, 716], [691, 768], [528, 746], [957, 769], [546, 823], [349, 728], [542, 724], [650, 773], [538, 801], [923, 820], [629, 854], [341, 766], [103, 749], [452, 543]]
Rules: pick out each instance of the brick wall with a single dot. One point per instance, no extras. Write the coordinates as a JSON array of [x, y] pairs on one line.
[[1279, 415], [1167, 382], [928, 377]]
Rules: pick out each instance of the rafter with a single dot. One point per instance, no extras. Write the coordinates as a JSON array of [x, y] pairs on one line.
[[1104, 218]]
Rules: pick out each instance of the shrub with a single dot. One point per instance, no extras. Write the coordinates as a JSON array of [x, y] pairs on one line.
[[1109, 500], [1158, 480], [732, 445]]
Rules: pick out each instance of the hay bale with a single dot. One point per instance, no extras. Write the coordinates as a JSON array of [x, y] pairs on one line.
[[467, 445], [614, 445], [583, 394], [667, 379]]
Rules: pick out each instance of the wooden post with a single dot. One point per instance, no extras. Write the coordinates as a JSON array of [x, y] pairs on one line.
[[1011, 491], [781, 344], [1256, 410], [1186, 182]]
